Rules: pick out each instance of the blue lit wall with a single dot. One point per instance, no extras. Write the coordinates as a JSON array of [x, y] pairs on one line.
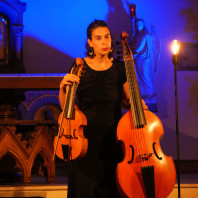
[[55, 31], [62, 24], [55, 34]]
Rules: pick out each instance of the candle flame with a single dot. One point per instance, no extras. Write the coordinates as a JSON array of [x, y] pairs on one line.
[[175, 47]]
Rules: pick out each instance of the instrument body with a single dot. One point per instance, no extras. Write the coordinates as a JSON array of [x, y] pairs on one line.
[[129, 175], [70, 143], [72, 140], [145, 171]]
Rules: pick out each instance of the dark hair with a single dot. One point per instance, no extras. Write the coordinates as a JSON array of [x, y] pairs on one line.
[[92, 26], [144, 28]]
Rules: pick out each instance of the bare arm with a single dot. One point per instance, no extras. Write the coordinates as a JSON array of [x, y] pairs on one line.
[[67, 80], [125, 100], [126, 97]]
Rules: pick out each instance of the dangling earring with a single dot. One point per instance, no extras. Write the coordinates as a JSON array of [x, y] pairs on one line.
[[110, 50], [91, 51]]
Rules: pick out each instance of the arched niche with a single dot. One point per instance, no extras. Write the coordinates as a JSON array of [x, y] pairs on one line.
[[39, 166], [42, 165], [11, 34], [11, 170]]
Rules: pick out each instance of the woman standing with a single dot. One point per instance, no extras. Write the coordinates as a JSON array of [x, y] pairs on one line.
[[101, 91]]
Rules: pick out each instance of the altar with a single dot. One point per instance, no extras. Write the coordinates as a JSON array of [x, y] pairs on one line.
[[29, 109]]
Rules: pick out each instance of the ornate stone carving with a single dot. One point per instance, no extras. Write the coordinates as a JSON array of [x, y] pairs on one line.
[[24, 145]]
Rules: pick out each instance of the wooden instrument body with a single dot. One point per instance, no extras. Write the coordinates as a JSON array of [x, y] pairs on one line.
[[136, 143], [70, 143], [145, 171], [72, 136]]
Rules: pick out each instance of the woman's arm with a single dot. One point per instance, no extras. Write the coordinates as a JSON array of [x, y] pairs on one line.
[[126, 97], [67, 80]]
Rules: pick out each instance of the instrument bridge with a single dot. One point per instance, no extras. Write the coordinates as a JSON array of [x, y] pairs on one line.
[[144, 156]]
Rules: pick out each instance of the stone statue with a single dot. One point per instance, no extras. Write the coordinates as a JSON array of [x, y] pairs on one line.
[[146, 61]]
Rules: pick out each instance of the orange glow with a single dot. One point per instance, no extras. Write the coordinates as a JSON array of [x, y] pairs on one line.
[[175, 46]]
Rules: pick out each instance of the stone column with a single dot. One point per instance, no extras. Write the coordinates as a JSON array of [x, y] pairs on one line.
[[18, 30]]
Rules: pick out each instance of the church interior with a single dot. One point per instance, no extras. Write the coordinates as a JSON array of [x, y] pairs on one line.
[[39, 41]]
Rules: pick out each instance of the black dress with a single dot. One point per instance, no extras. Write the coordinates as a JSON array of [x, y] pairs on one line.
[[99, 94]]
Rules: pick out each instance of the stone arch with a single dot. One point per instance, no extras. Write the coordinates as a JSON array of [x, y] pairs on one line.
[[19, 161], [14, 10], [38, 164], [47, 112], [42, 104], [50, 167]]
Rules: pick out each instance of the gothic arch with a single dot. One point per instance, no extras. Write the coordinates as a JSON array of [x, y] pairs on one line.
[[14, 10], [47, 161], [15, 156]]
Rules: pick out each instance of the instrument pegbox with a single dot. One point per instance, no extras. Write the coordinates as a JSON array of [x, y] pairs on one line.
[[119, 46], [79, 67]]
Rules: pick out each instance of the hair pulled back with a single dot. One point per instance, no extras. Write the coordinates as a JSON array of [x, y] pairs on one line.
[[92, 26]]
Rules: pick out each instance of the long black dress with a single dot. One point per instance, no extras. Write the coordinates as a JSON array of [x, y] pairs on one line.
[[99, 94]]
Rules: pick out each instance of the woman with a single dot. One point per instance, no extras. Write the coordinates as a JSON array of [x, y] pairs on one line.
[[101, 90]]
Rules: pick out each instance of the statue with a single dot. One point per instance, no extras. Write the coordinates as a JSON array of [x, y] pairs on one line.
[[146, 61]]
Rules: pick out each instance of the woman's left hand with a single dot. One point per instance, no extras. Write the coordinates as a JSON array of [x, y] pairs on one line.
[[145, 107]]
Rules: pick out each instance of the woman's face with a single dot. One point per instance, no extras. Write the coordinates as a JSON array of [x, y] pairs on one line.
[[139, 26], [101, 41]]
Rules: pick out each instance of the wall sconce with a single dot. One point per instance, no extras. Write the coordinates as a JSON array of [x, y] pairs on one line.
[[175, 46]]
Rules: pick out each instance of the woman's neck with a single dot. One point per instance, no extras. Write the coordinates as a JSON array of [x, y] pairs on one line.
[[99, 62]]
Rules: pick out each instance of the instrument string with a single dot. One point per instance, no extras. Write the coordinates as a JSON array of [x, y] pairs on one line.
[[136, 106], [134, 109]]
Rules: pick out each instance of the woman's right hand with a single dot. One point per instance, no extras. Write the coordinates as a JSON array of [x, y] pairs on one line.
[[69, 79]]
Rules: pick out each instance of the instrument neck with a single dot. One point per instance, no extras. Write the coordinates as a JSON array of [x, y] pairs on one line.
[[134, 92], [70, 101]]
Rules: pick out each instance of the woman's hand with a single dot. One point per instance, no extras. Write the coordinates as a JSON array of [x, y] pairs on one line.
[[68, 80], [145, 107]]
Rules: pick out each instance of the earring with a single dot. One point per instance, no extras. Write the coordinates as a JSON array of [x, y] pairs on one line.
[[110, 50], [91, 51]]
